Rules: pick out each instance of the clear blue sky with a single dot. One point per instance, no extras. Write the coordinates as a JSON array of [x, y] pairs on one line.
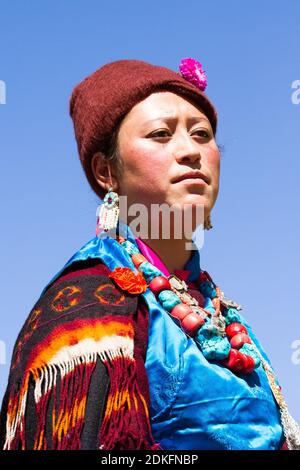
[[250, 51]]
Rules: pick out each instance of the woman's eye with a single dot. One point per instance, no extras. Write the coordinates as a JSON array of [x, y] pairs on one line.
[[162, 133], [165, 133], [202, 133]]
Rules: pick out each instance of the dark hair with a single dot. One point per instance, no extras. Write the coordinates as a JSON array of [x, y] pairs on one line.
[[113, 156]]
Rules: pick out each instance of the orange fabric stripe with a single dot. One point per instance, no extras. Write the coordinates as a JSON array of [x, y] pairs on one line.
[[72, 333]]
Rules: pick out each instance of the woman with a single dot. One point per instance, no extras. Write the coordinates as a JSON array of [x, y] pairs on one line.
[[132, 345]]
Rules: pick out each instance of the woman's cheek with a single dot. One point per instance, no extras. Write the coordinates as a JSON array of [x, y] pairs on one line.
[[138, 157], [151, 165], [213, 162]]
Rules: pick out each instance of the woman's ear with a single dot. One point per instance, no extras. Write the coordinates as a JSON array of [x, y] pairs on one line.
[[104, 172]]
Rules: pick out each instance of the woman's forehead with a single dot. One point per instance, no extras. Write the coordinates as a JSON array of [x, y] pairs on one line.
[[163, 106]]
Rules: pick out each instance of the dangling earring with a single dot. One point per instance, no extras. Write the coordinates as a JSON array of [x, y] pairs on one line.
[[207, 223], [108, 211]]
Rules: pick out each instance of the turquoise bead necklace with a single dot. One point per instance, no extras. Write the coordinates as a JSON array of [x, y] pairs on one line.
[[219, 333]]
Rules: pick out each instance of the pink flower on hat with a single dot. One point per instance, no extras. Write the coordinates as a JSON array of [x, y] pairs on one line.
[[192, 71]]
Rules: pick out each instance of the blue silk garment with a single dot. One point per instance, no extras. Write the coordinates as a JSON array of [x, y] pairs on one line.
[[195, 404]]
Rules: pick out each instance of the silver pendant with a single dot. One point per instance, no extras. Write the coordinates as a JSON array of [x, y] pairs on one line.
[[177, 283], [199, 311], [218, 321], [182, 289], [227, 303]]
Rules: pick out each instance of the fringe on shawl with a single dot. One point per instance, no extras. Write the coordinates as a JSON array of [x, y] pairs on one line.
[[126, 423], [126, 415]]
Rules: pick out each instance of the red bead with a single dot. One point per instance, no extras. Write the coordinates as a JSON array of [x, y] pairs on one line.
[[180, 311], [158, 284], [203, 277], [138, 259], [191, 323], [239, 339], [249, 364], [235, 328], [238, 362], [235, 360]]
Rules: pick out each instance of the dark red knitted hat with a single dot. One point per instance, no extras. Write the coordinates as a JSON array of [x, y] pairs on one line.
[[102, 100]]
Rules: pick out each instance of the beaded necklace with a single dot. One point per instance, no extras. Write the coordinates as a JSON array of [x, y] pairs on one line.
[[220, 334]]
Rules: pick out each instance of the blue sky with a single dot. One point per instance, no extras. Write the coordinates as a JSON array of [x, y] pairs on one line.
[[250, 51]]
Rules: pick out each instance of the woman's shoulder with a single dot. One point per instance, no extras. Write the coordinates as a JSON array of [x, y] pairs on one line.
[[82, 321], [84, 284], [82, 305]]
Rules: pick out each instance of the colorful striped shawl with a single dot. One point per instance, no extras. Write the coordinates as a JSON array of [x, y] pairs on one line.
[[80, 323]]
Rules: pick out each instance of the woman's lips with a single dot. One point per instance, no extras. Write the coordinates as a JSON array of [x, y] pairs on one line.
[[192, 181], [194, 177]]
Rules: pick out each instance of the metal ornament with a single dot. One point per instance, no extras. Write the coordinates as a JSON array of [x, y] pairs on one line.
[[228, 303], [179, 287], [108, 212], [178, 284]]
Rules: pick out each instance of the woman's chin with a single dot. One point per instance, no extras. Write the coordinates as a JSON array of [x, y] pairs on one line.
[[194, 209], [196, 201]]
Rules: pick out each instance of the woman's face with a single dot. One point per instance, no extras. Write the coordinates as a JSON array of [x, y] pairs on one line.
[[161, 140]]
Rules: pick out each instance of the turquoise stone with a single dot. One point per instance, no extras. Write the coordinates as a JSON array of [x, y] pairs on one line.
[[213, 347], [216, 348], [207, 289], [208, 330], [168, 299], [231, 315], [130, 247], [149, 271], [249, 349]]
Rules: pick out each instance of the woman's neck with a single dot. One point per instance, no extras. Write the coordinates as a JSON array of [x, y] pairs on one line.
[[173, 253]]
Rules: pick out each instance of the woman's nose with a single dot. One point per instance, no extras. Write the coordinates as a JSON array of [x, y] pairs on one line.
[[187, 149]]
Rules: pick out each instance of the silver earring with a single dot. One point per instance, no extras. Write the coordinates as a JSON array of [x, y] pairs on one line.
[[207, 223], [108, 212]]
